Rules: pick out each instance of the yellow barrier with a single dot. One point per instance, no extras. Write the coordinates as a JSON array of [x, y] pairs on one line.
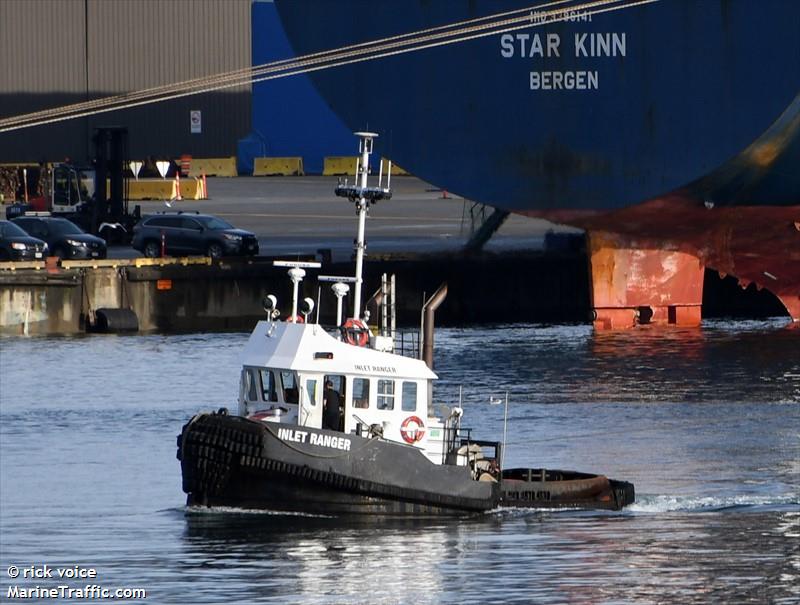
[[193, 189], [151, 189], [339, 165], [163, 189], [213, 167], [278, 166]]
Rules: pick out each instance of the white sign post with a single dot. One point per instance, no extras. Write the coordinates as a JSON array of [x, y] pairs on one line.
[[195, 121]]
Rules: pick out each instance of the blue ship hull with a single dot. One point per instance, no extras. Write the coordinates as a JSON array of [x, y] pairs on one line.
[[669, 131], [593, 113]]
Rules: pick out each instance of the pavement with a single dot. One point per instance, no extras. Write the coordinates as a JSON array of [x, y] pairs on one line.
[[300, 215]]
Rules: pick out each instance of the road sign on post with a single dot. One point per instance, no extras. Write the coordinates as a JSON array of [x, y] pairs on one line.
[[195, 121]]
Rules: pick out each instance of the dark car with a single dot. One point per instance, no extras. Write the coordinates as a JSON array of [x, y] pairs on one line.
[[15, 244], [185, 233], [64, 237]]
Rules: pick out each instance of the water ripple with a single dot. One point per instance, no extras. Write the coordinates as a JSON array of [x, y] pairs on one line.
[[705, 422]]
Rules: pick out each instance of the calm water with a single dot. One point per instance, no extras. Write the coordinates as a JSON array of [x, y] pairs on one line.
[[705, 422]]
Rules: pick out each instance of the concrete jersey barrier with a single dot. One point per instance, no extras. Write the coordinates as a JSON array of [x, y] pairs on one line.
[[290, 166], [339, 166], [213, 167]]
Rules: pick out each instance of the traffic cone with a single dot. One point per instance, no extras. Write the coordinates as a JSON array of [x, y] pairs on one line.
[[186, 164]]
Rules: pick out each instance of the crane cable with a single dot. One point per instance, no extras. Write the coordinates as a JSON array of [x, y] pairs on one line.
[[439, 36]]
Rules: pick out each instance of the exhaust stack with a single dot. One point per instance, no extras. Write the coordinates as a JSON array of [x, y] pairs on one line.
[[429, 310]]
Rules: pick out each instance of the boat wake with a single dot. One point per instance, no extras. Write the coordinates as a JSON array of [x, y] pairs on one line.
[[649, 503], [231, 510], [652, 503]]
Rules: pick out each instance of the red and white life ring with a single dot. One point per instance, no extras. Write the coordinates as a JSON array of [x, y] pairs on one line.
[[414, 433], [355, 332], [297, 319]]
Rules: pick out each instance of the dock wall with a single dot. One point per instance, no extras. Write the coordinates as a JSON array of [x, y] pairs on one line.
[[197, 295]]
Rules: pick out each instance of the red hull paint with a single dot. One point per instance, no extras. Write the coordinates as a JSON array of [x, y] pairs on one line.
[[652, 255], [635, 285]]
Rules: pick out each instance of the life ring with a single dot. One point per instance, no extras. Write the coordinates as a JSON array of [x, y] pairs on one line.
[[297, 319], [415, 434], [355, 332]]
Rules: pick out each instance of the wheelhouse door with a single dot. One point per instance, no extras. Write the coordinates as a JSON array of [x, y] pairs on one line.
[[311, 401]]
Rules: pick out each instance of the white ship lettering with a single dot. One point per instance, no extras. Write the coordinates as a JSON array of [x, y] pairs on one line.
[[564, 80], [587, 45], [533, 49], [600, 45], [371, 368], [330, 441], [292, 435]]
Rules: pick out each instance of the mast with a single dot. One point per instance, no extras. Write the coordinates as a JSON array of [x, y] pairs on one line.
[[365, 146], [362, 196]]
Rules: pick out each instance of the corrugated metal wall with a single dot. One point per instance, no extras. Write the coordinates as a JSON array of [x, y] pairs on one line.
[[54, 52]]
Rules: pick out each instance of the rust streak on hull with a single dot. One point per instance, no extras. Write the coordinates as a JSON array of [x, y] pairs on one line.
[[635, 285], [653, 253]]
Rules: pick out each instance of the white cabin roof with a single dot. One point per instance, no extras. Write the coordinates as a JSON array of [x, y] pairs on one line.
[[298, 347]]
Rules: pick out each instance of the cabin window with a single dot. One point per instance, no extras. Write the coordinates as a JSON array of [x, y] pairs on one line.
[[409, 397], [250, 387], [311, 390], [360, 393], [268, 386], [386, 394], [289, 387]]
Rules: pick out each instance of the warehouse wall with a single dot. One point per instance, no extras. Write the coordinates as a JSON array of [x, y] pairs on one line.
[[54, 52]]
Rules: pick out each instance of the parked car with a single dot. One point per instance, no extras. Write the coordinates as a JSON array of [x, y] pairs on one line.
[[15, 244], [64, 238], [191, 233]]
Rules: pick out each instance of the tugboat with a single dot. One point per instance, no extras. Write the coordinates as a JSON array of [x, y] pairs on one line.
[[344, 423]]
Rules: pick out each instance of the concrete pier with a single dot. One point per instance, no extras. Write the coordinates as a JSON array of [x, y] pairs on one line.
[[531, 271], [201, 295]]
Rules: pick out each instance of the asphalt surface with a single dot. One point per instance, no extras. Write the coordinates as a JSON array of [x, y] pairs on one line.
[[300, 215]]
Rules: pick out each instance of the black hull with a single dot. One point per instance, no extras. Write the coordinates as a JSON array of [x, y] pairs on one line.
[[232, 461]]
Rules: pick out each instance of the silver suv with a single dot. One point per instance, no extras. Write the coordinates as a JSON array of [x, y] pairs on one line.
[[184, 233]]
